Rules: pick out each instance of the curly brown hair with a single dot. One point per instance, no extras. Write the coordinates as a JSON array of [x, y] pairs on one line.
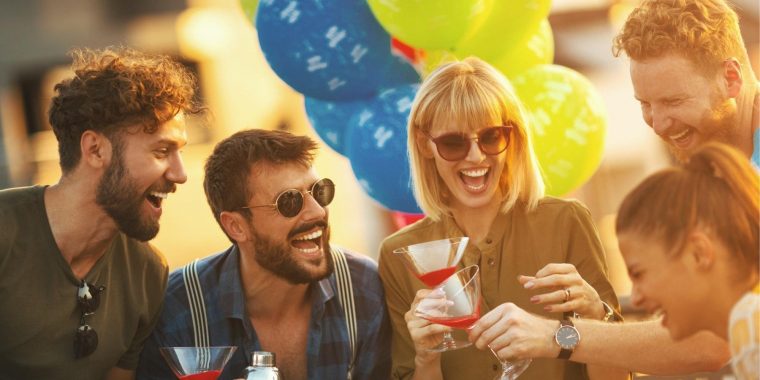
[[115, 88], [705, 31]]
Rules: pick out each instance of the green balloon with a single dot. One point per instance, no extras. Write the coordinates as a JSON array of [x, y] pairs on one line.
[[567, 124], [431, 24], [510, 23], [249, 8], [537, 50]]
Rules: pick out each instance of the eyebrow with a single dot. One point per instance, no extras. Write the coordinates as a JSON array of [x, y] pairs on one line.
[[171, 143]]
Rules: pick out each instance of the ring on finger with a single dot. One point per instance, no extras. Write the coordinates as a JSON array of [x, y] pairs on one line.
[[567, 294]]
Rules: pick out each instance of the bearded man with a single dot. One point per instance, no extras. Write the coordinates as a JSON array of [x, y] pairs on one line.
[[275, 288], [80, 287]]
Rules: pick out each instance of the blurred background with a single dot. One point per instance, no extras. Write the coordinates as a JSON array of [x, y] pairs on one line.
[[218, 40]]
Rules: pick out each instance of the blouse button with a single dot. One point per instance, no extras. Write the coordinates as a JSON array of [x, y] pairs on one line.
[[489, 241], [491, 261], [495, 367]]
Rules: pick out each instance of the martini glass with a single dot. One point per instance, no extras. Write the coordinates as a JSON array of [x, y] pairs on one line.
[[432, 263], [456, 303], [197, 363]]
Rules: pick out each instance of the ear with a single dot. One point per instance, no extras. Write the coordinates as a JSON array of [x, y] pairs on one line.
[[235, 226], [701, 250], [95, 148], [732, 77], [422, 144]]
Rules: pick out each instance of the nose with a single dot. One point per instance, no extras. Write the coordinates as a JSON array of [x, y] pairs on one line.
[[176, 171], [659, 120], [475, 154], [637, 299], [312, 210]]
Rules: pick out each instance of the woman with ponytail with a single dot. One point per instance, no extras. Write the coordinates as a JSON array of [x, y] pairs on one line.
[[689, 236]]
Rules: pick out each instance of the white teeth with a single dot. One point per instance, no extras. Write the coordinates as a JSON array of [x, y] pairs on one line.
[[310, 236], [679, 135], [159, 195], [476, 188], [474, 172], [308, 250]]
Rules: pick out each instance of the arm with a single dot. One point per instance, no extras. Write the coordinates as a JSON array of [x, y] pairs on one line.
[[637, 346]]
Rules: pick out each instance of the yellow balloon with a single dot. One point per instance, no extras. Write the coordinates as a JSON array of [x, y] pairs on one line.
[[568, 123], [537, 50], [431, 24]]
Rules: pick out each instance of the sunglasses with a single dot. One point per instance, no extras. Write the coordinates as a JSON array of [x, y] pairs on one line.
[[88, 299], [455, 146], [289, 203]]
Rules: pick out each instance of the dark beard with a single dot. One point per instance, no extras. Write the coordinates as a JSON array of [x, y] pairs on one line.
[[278, 258], [119, 196]]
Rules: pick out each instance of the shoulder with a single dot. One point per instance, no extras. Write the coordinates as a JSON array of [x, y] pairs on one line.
[[423, 230], [362, 268], [145, 255], [13, 196], [551, 211], [207, 269]]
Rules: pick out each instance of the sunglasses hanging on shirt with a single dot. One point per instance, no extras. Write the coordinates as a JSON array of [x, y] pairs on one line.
[[88, 300]]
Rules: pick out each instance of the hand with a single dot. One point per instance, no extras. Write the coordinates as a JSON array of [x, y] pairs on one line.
[[558, 279], [425, 334], [514, 334]]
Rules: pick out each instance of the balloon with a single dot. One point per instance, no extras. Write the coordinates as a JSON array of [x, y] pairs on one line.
[[431, 24], [376, 145], [402, 219], [330, 120], [332, 50], [509, 24], [537, 50], [249, 8], [568, 124]]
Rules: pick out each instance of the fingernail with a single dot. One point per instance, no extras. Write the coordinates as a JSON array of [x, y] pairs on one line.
[[548, 308], [528, 285], [534, 299]]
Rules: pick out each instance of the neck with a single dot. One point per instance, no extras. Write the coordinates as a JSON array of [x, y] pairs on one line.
[[476, 222], [726, 300], [268, 296], [81, 229]]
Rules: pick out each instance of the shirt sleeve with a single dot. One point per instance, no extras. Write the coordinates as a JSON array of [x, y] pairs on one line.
[[395, 278], [586, 253]]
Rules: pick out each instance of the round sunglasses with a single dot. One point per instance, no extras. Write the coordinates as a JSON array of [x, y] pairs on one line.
[[289, 203], [455, 146]]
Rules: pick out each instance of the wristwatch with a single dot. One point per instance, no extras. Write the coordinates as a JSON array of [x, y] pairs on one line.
[[567, 337]]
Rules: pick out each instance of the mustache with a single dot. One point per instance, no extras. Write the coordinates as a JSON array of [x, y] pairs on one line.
[[166, 187], [307, 226]]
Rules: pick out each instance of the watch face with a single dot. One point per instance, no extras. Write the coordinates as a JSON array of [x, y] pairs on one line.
[[567, 337]]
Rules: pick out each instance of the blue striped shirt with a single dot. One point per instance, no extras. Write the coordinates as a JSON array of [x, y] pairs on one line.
[[328, 351]]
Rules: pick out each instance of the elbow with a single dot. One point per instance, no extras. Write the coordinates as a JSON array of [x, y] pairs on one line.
[[715, 358]]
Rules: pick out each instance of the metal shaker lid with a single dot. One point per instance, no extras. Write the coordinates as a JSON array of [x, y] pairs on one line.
[[263, 359]]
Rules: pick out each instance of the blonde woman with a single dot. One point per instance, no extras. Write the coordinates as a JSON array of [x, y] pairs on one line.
[[689, 236], [475, 174]]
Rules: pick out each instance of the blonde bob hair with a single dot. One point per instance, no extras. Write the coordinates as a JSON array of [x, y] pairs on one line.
[[475, 95]]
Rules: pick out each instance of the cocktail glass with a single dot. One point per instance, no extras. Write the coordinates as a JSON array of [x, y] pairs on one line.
[[197, 363], [432, 263]]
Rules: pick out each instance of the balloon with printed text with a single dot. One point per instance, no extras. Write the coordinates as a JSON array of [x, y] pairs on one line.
[[333, 50], [376, 145], [330, 119], [567, 124]]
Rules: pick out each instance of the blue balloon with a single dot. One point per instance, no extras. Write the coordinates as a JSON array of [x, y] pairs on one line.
[[377, 147], [331, 120], [329, 49]]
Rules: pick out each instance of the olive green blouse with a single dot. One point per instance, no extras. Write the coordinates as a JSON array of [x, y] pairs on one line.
[[519, 242]]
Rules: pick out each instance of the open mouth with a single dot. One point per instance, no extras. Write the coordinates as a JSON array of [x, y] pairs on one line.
[[308, 243], [682, 138], [155, 198], [475, 179]]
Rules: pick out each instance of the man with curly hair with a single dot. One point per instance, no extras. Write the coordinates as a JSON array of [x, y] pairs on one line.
[[80, 287], [692, 75]]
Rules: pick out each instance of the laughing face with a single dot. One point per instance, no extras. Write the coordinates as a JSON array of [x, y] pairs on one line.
[[474, 180], [664, 285], [296, 249], [683, 106], [144, 169]]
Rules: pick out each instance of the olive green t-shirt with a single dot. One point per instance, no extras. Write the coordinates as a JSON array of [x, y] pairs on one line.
[[38, 293], [558, 231]]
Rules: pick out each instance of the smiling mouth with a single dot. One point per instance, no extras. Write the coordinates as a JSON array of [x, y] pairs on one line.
[[155, 198], [308, 243], [682, 137], [474, 179]]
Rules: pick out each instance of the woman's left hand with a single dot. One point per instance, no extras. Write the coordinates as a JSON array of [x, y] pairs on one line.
[[565, 291]]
